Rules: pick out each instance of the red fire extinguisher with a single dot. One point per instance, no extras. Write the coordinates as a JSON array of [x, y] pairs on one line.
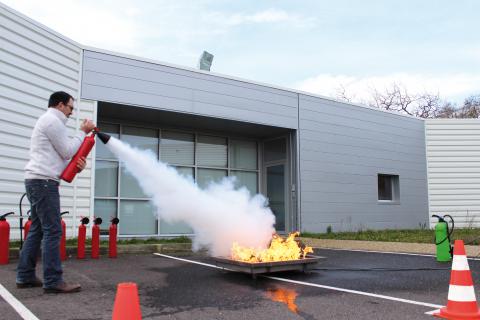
[[82, 235], [63, 239], [27, 225], [4, 238], [96, 237], [71, 170], [112, 238]]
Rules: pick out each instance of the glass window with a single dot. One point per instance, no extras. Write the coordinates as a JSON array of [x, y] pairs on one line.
[[106, 178], [388, 187], [212, 151], [105, 209], [142, 138], [177, 148], [275, 150], [174, 228], [206, 176], [185, 171], [243, 154], [137, 218], [129, 186], [101, 150], [247, 179]]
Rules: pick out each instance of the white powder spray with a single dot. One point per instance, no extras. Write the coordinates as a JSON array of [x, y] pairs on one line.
[[218, 215]]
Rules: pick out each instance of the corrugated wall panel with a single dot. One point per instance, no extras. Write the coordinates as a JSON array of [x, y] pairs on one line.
[[342, 150], [453, 155], [34, 62], [111, 78]]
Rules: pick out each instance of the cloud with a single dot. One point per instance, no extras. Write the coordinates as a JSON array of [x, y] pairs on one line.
[[453, 87], [98, 26], [269, 16]]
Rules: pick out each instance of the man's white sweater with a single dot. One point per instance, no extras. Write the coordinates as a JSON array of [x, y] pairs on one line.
[[50, 146]]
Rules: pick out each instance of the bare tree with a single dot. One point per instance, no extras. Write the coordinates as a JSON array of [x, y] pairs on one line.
[[397, 98], [342, 94], [448, 110], [424, 105], [470, 108]]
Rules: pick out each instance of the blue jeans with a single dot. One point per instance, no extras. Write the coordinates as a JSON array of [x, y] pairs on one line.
[[46, 224]]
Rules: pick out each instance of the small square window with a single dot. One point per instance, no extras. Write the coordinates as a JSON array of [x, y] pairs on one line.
[[388, 188]]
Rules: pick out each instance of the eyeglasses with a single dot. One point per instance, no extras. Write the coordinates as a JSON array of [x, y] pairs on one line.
[[70, 106]]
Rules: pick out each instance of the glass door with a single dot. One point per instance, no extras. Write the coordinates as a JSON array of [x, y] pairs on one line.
[[276, 193], [275, 164]]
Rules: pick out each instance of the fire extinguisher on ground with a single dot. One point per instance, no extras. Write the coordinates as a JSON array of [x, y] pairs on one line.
[[4, 238], [71, 170], [96, 238], [442, 238], [82, 236], [63, 239], [112, 238]]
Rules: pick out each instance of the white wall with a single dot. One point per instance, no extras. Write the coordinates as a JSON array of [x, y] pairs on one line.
[[343, 148], [453, 159], [34, 62], [113, 78]]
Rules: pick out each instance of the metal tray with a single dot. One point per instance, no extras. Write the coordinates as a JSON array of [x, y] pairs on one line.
[[256, 268]]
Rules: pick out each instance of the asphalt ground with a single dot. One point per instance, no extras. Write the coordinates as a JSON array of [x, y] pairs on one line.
[[175, 289]]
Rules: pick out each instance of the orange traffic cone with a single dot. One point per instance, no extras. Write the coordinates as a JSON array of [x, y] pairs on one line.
[[462, 303], [127, 304]]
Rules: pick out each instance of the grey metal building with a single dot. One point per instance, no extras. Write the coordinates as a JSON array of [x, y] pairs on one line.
[[320, 162]]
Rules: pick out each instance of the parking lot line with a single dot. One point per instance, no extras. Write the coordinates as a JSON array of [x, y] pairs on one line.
[[190, 261], [389, 252], [380, 296], [17, 305], [425, 304]]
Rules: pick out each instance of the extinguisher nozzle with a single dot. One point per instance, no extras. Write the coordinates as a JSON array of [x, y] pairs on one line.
[[103, 136]]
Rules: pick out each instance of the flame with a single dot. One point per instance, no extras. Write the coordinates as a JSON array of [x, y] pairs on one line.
[[285, 296], [280, 250]]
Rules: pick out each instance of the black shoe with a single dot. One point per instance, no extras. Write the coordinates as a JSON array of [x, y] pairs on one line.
[[64, 288], [32, 284]]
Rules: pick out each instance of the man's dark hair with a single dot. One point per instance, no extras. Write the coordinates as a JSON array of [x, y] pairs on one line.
[[57, 97]]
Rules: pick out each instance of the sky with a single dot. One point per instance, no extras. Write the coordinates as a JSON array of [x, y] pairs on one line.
[[316, 46]]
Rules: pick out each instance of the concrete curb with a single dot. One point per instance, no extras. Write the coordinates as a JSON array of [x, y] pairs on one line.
[[400, 247], [166, 248], [186, 248]]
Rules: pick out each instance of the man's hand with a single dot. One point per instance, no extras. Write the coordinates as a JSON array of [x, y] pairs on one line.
[[87, 125], [81, 164]]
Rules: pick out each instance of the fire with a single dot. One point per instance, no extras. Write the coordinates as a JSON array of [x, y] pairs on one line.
[[280, 250], [284, 295]]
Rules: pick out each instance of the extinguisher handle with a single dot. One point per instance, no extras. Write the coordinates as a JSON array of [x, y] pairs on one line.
[[115, 221], [3, 216], [85, 220], [440, 219], [97, 221]]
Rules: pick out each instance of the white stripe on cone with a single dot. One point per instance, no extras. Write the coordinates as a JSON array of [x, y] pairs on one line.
[[461, 293], [460, 263]]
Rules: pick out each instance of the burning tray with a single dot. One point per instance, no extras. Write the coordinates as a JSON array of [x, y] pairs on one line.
[[255, 268]]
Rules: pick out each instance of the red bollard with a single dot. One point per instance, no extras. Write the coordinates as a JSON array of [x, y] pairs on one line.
[[82, 235], [96, 238], [4, 238], [112, 238], [27, 225], [63, 240]]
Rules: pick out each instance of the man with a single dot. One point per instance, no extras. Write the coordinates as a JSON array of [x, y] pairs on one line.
[[50, 150]]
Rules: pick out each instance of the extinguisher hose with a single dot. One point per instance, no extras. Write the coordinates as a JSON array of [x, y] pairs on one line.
[[21, 219]]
